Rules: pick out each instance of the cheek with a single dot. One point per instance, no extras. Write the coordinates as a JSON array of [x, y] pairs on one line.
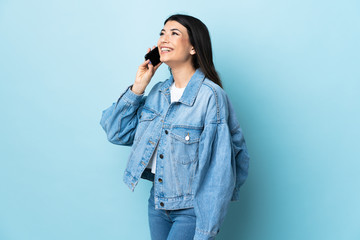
[[185, 44]]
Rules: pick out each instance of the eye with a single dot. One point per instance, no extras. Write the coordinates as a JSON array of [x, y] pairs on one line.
[[174, 33], [161, 33]]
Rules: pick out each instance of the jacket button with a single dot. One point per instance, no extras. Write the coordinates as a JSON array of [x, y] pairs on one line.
[[187, 137], [166, 132], [161, 156], [162, 204], [160, 180]]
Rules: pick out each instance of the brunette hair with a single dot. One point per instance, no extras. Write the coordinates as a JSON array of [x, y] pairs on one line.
[[200, 39]]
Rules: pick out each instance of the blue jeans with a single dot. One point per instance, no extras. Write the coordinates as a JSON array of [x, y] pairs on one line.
[[170, 224]]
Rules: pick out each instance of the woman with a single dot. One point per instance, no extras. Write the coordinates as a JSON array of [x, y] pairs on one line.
[[184, 135]]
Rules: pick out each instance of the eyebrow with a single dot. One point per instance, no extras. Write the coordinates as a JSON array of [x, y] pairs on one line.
[[173, 29]]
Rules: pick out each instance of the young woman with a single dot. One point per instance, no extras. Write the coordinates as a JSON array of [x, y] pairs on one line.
[[184, 135]]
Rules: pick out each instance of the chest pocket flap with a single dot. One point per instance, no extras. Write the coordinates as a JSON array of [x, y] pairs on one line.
[[186, 135]]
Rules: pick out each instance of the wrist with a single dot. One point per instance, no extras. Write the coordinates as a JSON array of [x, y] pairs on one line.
[[137, 90]]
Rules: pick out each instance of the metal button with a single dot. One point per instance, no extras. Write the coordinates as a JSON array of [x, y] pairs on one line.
[[166, 132], [162, 204], [160, 180], [161, 156], [187, 137]]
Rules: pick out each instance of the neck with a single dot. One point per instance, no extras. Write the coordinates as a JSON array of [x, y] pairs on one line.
[[182, 75]]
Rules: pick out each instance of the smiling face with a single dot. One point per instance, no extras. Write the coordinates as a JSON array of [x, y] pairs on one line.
[[174, 45]]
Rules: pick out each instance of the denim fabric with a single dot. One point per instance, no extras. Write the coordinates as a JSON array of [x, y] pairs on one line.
[[202, 158], [170, 224]]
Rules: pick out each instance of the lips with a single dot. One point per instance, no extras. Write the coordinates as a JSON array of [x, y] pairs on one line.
[[166, 49]]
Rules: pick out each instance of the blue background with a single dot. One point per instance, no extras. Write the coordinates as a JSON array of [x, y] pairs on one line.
[[291, 69]]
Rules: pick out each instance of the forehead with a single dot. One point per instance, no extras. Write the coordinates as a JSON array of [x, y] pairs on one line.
[[174, 25]]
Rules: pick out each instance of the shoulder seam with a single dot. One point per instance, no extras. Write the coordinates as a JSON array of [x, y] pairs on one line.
[[216, 100]]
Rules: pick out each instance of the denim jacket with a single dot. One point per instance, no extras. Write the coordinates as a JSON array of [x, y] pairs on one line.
[[202, 159]]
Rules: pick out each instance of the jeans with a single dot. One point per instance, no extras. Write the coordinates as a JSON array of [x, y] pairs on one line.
[[170, 224]]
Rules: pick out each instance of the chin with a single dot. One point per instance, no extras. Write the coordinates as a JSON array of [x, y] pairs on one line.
[[165, 61], [162, 59]]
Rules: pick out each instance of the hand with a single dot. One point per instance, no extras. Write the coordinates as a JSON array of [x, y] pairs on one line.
[[144, 74]]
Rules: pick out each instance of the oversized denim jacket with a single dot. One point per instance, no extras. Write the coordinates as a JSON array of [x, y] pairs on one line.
[[202, 159]]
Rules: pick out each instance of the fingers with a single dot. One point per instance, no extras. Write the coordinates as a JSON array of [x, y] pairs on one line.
[[151, 67], [145, 63], [149, 49]]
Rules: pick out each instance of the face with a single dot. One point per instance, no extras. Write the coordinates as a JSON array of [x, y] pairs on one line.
[[174, 44]]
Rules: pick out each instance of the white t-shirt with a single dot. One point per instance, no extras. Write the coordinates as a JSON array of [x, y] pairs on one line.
[[175, 94]]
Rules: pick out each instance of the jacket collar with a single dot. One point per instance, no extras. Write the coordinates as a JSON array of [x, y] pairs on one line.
[[191, 90]]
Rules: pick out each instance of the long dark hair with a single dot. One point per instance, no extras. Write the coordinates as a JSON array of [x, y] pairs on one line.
[[200, 39]]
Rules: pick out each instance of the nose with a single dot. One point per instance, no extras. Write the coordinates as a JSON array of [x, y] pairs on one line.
[[164, 38]]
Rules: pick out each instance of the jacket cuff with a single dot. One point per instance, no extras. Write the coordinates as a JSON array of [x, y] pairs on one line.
[[131, 97], [202, 235]]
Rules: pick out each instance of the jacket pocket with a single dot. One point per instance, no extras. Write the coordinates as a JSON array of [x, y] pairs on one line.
[[185, 143]]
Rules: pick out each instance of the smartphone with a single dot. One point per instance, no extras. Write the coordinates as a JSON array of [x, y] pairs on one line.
[[154, 56]]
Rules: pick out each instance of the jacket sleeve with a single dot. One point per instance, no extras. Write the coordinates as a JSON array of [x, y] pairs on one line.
[[223, 161], [119, 121], [240, 152], [216, 180]]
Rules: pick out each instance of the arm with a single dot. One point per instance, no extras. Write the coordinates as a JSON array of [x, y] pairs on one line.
[[223, 162], [119, 121], [216, 180], [240, 152], [241, 159]]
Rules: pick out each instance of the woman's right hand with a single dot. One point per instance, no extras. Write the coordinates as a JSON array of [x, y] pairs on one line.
[[143, 75]]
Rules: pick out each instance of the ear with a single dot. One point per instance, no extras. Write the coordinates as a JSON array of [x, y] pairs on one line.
[[192, 51]]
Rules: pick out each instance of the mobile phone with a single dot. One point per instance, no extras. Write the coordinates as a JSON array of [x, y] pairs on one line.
[[154, 56]]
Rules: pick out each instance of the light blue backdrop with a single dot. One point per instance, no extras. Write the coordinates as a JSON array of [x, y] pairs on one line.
[[291, 69]]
